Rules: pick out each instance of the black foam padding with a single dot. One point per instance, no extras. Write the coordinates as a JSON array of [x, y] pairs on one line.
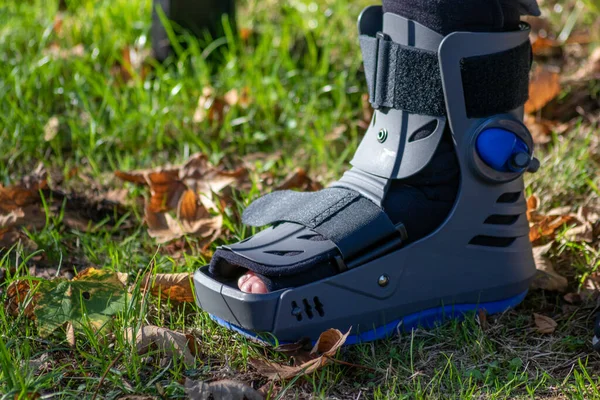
[[498, 81], [409, 79], [343, 216]]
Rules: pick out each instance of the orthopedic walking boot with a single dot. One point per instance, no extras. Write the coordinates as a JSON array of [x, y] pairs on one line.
[[430, 221]]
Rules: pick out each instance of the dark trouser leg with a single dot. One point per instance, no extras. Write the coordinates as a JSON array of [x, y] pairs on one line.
[[195, 16]]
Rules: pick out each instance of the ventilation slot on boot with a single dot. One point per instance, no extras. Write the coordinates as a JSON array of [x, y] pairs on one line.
[[313, 238], [501, 219], [288, 253], [424, 131], [509, 197], [296, 311], [307, 309], [492, 241], [319, 307]]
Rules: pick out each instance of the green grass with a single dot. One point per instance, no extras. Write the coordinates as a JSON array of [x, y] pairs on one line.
[[301, 67]]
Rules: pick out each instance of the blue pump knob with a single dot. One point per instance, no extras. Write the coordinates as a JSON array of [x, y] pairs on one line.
[[503, 150]]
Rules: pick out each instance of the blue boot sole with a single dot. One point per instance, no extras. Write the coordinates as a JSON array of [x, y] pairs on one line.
[[424, 319]]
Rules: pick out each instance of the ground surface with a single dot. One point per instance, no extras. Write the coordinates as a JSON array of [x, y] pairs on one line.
[[74, 97]]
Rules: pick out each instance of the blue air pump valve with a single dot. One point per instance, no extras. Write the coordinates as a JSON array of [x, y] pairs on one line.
[[504, 151]]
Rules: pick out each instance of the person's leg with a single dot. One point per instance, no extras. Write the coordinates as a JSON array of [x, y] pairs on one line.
[[430, 221], [422, 202]]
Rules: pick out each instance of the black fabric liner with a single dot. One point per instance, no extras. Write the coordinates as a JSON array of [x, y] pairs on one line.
[[409, 79], [229, 265]]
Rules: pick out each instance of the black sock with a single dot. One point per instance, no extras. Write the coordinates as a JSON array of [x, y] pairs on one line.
[[446, 16]]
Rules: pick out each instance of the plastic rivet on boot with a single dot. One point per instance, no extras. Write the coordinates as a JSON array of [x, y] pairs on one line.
[[383, 280], [382, 135]]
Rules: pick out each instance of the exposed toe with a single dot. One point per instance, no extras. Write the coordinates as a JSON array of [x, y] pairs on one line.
[[250, 283]]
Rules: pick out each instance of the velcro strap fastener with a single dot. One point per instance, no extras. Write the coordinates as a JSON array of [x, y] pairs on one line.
[[349, 220], [408, 78]]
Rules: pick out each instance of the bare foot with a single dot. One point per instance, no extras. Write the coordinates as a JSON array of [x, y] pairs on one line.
[[251, 283]]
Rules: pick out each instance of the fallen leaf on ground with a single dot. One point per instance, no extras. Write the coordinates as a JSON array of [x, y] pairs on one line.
[[54, 50], [51, 128], [590, 70], [546, 277], [545, 46], [210, 107], [235, 97], [547, 227], [132, 64], [544, 324], [24, 193], [20, 207], [299, 351], [580, 225], [164, 340], [327, 345], [70, 334], [225, 389], [93, 295], [186, 189], [533, 203], [177, 287], [20, 298], [543, 88], [299, 179], [542, 129]]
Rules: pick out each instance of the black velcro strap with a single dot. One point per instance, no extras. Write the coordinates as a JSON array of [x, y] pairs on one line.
[[349, 220], [408, 78]]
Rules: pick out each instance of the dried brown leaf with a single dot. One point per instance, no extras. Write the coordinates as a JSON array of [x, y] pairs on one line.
[[19, 299], [543, 88], [23, 193], [299, 351], [544, 324], [225, 389], [590, 70], [169, 342], [572, 298], [545, 46], [299, 179], [132, 64], [187, 189], [234, 97], [51, 128], [547, 227], [55, 51], [20, 206], [546, 277], [327, 345], [210, 107], [540, 129], [70, 333], [177, 287]]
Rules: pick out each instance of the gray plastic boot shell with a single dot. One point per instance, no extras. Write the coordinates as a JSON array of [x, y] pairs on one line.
[[473, 257]]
